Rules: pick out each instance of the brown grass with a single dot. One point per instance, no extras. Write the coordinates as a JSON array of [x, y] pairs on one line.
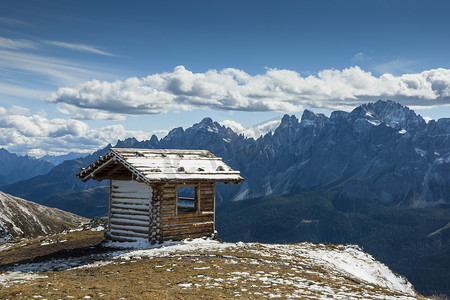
[[32, 249], [206, 274]]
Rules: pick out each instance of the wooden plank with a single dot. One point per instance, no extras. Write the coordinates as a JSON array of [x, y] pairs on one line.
[[122, 239], [132, 217], [168, 204], [125, 195], [127, 228], [193, 223], [170, 195], [121, 221], [166, 214], [137, 208], [168, 208], [191, 215], [131, 201], [121, 211], [127, 206], [167, 211], [188, 230], [206, 191], [186, 236], [207, 200], [130, 234], [187, 221], [187, 225]]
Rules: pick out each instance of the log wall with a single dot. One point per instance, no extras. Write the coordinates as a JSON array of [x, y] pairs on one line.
[[129, 210], [176, 225]]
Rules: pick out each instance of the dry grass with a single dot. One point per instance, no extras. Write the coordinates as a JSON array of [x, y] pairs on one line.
[[32, 249], [246, 272]]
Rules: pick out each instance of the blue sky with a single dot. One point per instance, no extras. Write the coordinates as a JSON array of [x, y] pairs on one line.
[[75, 75]]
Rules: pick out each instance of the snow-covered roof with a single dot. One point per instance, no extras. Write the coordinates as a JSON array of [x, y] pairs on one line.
[[156, 165]]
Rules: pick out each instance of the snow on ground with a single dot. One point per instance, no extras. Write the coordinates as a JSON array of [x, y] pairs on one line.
[[349, 259], [98, 228], [18, 277], [340, 267]]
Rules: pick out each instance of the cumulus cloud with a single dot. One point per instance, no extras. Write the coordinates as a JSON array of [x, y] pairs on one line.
[[233, 89], [35, 134], [252, 132]]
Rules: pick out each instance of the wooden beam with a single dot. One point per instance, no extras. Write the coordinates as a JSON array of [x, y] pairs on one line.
[[113, 170]]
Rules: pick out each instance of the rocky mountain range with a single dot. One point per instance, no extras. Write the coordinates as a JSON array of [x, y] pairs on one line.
[[15, 168], [379, 153], [58, 159]]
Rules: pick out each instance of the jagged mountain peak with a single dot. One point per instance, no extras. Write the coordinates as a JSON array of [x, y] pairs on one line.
[[14, 168], [338, 115], [127, 143], [391, 113], [154, 139], [173, 133], [359, 153], [206, 124], [287, 119], [309, 117]]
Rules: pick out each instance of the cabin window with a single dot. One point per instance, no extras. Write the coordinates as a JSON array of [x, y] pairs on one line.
[[187, 199]]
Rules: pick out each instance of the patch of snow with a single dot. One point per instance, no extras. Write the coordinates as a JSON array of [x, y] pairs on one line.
[[374, 122], [138, 244], [98, 228], [427, 119], [421, 152], [45, 243], [18, 277]]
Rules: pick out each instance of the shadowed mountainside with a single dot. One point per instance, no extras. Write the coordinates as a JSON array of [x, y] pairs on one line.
[[22, 218]]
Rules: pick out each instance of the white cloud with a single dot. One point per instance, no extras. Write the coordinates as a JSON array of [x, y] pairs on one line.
[[252, 132], [396, 66], [11, 21], [35, 134], [360, 56], [52, 69], [28, 70], [16, 44], [80, 47], [232, 89]]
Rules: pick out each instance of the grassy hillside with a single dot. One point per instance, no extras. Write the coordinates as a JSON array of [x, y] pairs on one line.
[[20, 218], [83, 268], [411, 241]]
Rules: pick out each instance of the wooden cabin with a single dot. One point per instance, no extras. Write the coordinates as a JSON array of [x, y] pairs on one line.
[[160, 194]]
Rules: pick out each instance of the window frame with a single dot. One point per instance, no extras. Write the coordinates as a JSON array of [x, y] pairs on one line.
[[196, 209]]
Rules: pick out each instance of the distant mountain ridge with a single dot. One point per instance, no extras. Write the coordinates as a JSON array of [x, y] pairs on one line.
[[59, 180], [379, 153], [15, 168], [58, 159]]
